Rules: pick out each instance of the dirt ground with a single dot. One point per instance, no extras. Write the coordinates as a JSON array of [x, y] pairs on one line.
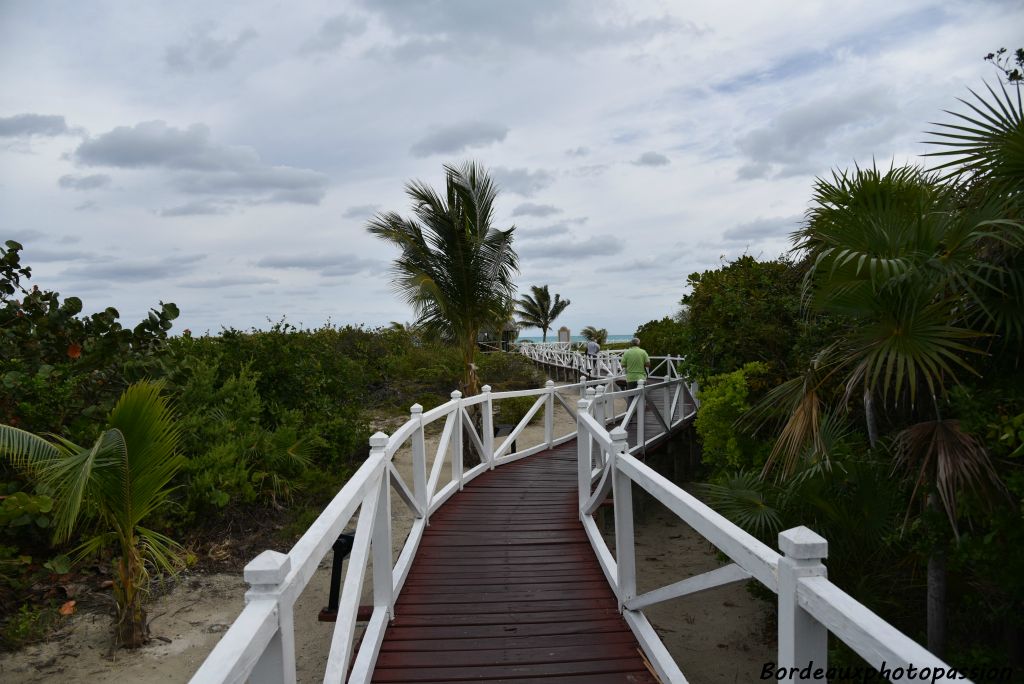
[[721, 635]]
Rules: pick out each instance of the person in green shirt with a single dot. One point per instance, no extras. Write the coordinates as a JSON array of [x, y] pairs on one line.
[[636, 363]]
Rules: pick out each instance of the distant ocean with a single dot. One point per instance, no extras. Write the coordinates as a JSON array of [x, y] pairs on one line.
[[575, 338]]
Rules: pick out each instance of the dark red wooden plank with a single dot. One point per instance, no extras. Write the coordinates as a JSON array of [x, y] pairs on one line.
[[596, 651], [574, 616], [510, 642], [555, 671], [530, 629], [604, 678]]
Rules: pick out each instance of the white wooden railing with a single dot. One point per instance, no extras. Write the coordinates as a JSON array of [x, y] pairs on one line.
[[260, 644], [809, 606], [570, 355]]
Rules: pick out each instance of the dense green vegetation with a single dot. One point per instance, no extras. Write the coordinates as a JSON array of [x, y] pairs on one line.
[[869, 385], [268, 424]]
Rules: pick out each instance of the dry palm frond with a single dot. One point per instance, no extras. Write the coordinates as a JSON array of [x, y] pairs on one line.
[[940, 452]]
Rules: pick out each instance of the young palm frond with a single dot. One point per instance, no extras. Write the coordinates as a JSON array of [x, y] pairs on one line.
[[118, 481]]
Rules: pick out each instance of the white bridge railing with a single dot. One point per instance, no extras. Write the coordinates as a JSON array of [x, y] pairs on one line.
[[570, 355], [260, 644], [809, 606]]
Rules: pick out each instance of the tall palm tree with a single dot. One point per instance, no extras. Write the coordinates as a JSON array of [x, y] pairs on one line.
[[538, 311], [599, 335], [115, 484], [455, 269]]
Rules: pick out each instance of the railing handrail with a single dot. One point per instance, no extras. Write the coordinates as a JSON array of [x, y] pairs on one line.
[[810, 606]]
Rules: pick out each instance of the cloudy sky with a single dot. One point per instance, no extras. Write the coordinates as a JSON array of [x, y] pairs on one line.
[[226, 156]]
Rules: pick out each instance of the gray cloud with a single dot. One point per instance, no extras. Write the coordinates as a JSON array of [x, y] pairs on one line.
[[135, 270], [24, 125], [763, 228], [96, 180], [636, 265], [361, 211], [521, 181], [562, 250], [589, 170], [330, 265], [197, 208], [209, 168], [753, 171], [88, 205], [467, 28], [227, 281], [578, 151], [651, 159], [203, 52], [155, 144], [45, 255], [459, 137], [803, 138], [25, 236], [333, 33], [531, 209], [543, 232]]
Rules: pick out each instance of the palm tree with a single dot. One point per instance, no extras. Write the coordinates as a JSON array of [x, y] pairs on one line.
[[599, 335], [906, 264], [115, 484], [455, 268], [538, 311]]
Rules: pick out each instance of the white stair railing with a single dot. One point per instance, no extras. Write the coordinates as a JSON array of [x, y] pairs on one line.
[[809, 606]]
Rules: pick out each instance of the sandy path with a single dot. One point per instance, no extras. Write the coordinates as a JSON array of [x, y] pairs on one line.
[[716, 636]]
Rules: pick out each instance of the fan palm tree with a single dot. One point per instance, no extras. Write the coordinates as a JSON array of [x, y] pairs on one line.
[[907, 264], [115, 484], [599, 335], [538, 311], [455, 269]]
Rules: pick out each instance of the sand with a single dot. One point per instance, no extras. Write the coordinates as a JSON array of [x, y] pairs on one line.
[[719, 635]]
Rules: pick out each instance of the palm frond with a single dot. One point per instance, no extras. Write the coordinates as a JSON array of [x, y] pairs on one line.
[[940, 452], [742, 498]]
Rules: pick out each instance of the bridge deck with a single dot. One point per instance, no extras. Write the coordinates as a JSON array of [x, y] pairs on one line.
[[506, 587]]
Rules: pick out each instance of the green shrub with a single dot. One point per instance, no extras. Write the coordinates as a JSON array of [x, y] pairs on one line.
[[723, 399]]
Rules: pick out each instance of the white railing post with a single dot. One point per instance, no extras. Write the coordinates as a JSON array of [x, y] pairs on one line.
[[457, 439], [419, 460], [380, 544], [803, 640], [666, 402], [622, 495], [265, 574], [583, 384], [641, 415], [583, 454], [599, 416], [549, 413], [590, 394], [488, 425]]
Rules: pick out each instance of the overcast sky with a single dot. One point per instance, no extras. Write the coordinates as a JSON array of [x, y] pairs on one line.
[[226, 156]]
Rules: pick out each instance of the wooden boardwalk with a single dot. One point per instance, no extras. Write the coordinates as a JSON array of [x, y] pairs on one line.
[[506, 588]]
